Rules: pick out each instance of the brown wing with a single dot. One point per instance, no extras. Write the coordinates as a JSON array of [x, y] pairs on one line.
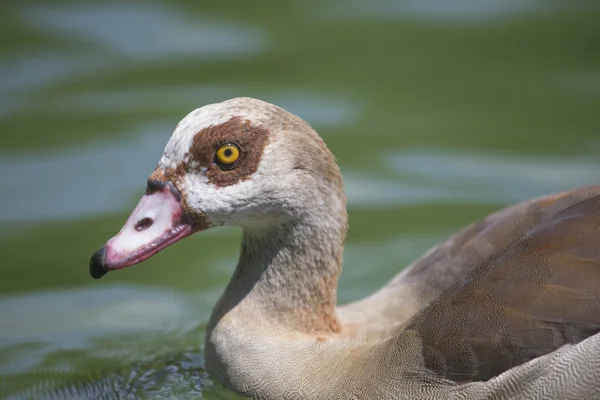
[[539, 293], [425, 279]]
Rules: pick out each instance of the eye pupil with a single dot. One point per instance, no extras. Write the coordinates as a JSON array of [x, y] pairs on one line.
[[228, 152]]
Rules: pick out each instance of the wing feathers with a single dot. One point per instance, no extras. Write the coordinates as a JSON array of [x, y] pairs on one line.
[[537, 294]]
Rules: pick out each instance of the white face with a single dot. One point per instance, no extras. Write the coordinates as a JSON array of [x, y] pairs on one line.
[[265, 170], [192, 189]]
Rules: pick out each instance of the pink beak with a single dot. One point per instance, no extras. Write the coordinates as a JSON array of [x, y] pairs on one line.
[[156, 222]]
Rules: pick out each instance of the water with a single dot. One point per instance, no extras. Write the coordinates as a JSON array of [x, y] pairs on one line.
[[438, 115]]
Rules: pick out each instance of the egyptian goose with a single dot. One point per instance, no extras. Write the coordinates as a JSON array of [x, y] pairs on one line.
[[507, 308]]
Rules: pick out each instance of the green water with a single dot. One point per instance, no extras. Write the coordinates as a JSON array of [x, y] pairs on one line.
[[437, 115]]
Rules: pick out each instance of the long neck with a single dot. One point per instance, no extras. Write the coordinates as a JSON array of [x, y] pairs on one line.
[[288, 274]]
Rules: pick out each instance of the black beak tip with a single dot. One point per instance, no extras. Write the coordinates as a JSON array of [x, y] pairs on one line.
[[97, 265]]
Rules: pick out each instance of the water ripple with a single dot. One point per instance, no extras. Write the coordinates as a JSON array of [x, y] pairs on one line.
[[149, 31]]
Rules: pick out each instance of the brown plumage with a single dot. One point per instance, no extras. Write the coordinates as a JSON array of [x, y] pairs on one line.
[[538, 293]]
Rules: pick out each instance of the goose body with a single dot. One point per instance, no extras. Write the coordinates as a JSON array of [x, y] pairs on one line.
[[507, 308]]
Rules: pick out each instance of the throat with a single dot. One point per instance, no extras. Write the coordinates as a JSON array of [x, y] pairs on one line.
[[287, 276]]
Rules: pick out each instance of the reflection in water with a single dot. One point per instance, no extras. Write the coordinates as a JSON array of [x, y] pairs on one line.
[[148, 31], [90, 180], [493, 177], [582, 83], [434, 176], [100, 311], [317, 109], [131, 32], [369, 190], [57, 340], [146, 99], [384, 259], [457, 11], [34, 70]]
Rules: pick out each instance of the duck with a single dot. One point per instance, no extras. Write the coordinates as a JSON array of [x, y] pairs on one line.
[[507, 308]]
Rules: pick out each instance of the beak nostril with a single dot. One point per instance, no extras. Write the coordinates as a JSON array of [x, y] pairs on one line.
[[143, 224]]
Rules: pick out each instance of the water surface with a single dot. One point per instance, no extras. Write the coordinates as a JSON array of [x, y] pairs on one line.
[[437, 115]]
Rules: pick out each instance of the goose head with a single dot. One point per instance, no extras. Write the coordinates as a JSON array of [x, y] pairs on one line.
[[242, 162]]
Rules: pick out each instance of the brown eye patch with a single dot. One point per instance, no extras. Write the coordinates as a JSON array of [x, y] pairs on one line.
[[250, 139]]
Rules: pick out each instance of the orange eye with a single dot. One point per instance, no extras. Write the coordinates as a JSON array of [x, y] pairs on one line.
[[227, 155]]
